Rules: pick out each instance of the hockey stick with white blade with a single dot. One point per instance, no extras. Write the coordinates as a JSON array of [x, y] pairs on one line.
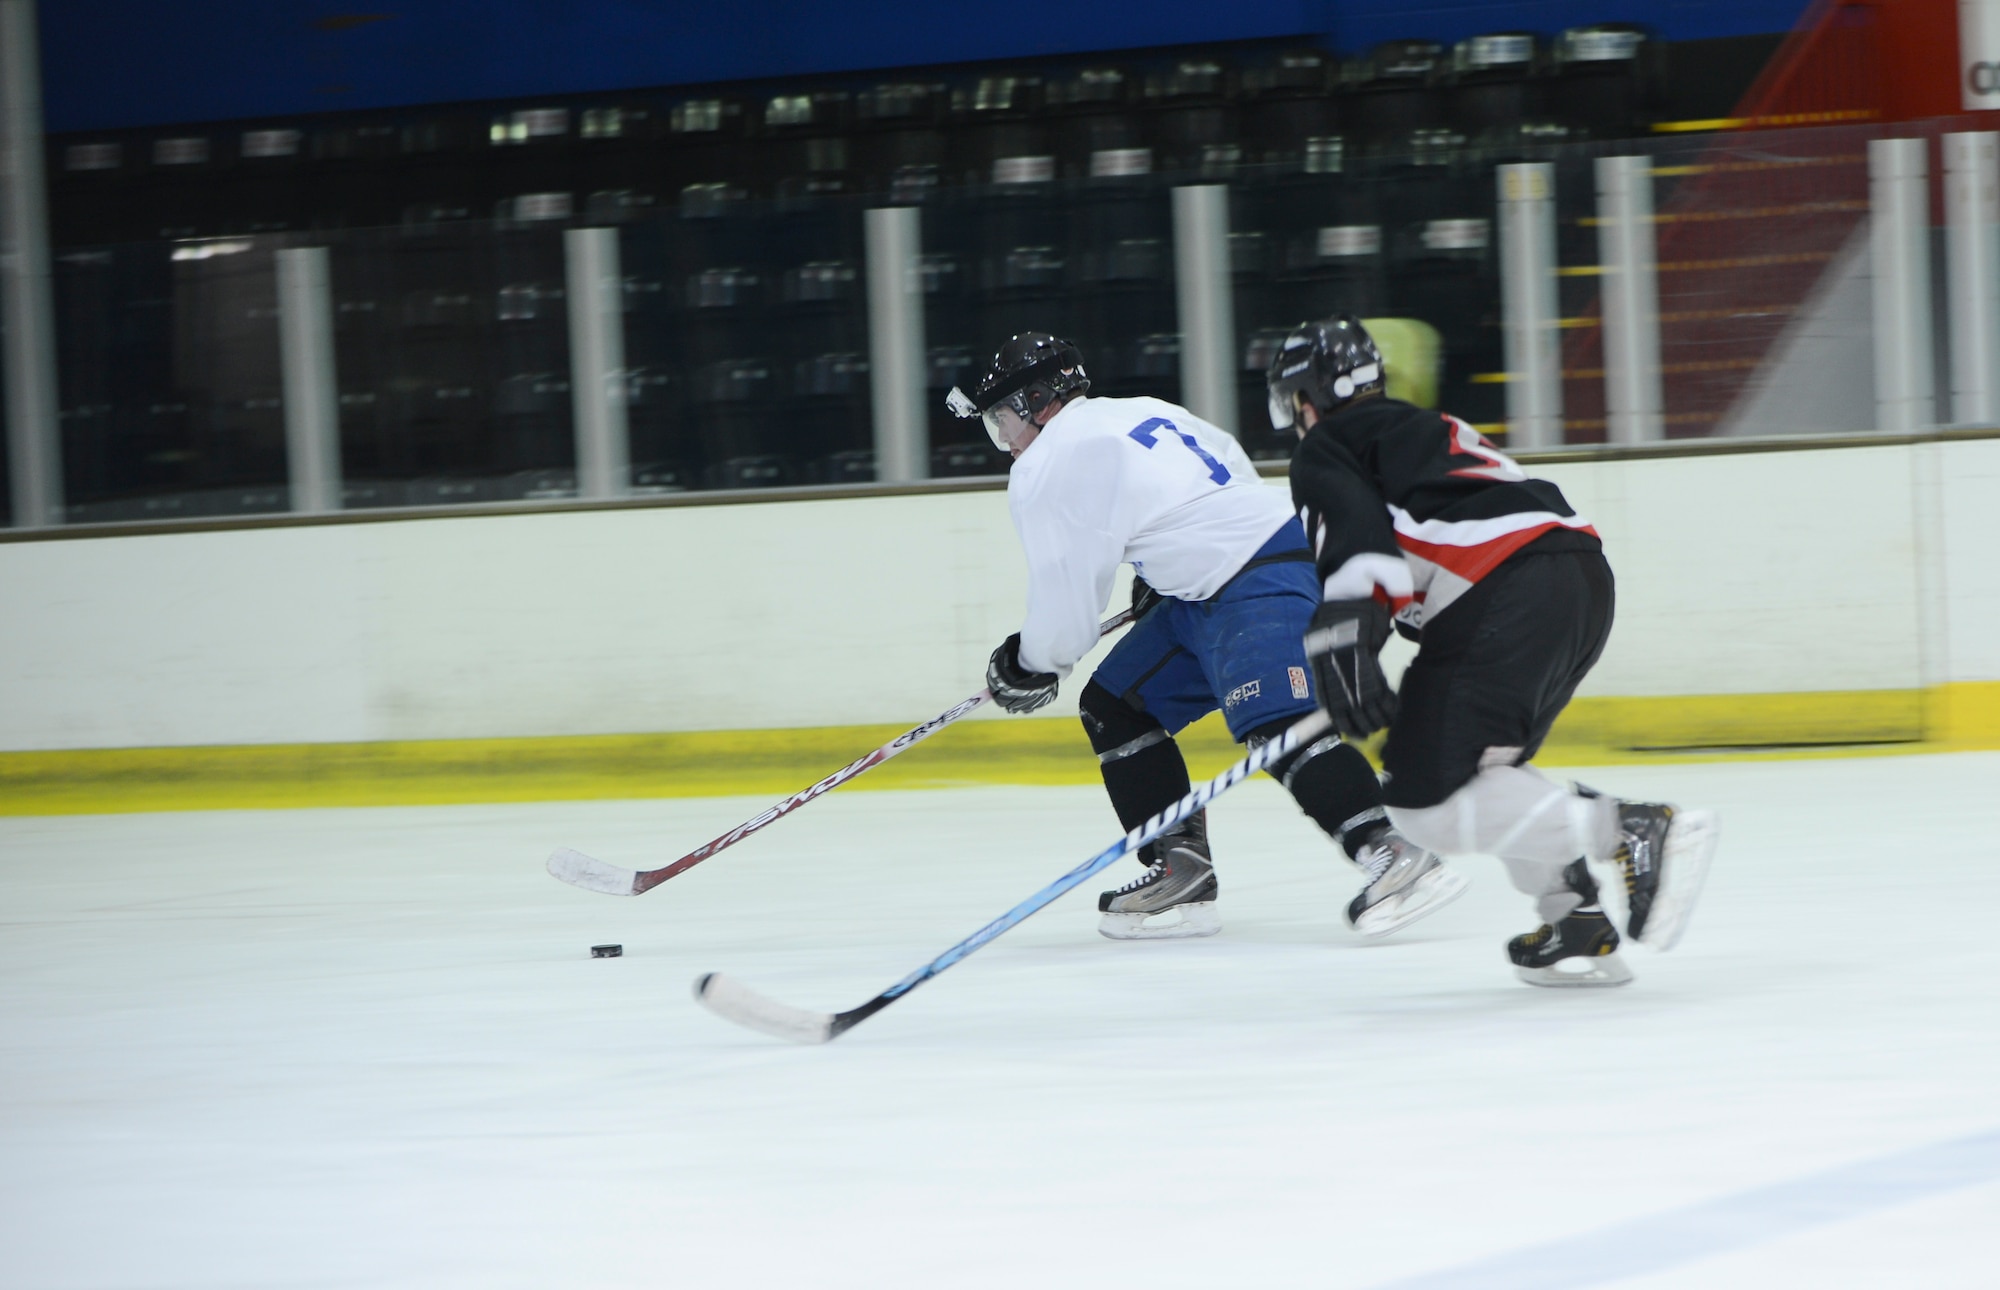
[[733, 1001], [592, 874]]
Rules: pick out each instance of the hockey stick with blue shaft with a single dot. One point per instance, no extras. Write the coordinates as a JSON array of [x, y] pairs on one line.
[[734, 1001], [592, 874]]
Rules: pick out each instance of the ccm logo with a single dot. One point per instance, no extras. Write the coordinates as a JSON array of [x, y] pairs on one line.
[[1242, 694], [1984, 78]]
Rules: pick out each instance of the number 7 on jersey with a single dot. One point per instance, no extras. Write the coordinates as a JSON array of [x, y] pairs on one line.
[[1146, 432]]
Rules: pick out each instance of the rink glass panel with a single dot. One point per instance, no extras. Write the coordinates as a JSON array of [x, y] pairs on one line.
[[746, 319], [1748, 223], [172, 397], [746, 344], [1090, 260]]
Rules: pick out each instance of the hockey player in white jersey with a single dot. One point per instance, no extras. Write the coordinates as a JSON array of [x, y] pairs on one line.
[[1225, 584]]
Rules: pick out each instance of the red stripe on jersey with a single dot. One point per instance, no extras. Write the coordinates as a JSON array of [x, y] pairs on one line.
[[1474, 562]]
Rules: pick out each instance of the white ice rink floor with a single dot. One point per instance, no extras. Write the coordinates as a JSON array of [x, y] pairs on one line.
[[368, 1048]]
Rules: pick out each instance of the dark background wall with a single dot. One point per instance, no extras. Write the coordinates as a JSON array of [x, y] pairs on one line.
[[116, 63]]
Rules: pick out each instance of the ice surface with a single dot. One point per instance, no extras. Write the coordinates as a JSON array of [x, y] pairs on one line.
[[370, 1048]]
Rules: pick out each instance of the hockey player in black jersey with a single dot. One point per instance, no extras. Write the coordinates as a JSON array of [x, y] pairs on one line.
[[1416, 519]]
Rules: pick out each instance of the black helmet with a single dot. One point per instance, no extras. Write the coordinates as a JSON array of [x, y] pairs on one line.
[[1031, 371], [1330, 362]]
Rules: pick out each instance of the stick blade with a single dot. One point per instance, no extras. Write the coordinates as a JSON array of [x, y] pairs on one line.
[[592, 874], [731, 1000]]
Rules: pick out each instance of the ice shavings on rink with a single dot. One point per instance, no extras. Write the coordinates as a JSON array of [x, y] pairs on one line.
[[370, 1048]]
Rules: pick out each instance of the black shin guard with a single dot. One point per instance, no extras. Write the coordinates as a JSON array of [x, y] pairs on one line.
[[1142, 765], [1334, 785]]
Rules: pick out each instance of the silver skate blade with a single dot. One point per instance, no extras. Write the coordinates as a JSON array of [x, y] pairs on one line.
[[1605, 970], [733, 1001], [1198, 919], [592, 874], [1425, 896], [1684, 862]]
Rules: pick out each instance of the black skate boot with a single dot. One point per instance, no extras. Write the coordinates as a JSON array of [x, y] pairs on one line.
[[1179, 879], [1580, 949], [1664, 853], [1405, 882]]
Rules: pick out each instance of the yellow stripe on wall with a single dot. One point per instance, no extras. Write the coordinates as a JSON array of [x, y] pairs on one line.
[[1744, 720], [1027, 751]]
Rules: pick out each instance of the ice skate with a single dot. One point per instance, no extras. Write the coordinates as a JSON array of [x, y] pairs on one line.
[[1579, 949], [1664, 854], [1178, 887], [1405, 882]]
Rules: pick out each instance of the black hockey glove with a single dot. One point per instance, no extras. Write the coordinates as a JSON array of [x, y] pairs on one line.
[[1143, 597], [1015, 688], [1341, 645]]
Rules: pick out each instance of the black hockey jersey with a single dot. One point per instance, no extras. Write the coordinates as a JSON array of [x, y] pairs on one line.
[[1412, 507]]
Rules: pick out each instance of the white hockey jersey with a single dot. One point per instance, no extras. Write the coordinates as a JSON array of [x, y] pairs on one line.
[[1139, 480]]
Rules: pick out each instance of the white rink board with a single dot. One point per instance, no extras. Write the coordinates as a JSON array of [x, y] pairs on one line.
[[1755, 573], [1759, 573], [319, 1049]]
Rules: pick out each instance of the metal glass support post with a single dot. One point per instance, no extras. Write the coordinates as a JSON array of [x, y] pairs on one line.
[[597, 377], [312, 399], [1899, 240], [1528, 304], [894, 236], [1972, 248], [27, 315], [1206, 303], [1631, 295]]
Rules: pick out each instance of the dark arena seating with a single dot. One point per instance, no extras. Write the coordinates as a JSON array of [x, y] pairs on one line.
[[1359, 181]]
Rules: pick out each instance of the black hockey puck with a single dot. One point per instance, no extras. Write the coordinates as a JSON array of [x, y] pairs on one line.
[[606, 951]]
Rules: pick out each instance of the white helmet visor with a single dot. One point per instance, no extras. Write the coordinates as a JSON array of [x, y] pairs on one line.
[[1283, 405], [1005, 421], [1282, 414]]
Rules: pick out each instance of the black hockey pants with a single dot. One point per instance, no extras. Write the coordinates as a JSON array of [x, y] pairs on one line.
[[1495, 669]]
